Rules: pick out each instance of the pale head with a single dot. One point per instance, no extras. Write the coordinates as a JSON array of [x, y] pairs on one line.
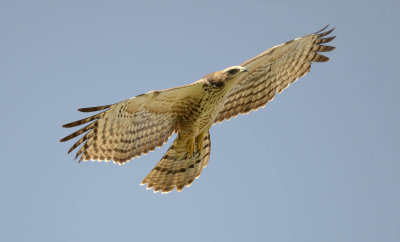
[[226, 76], [234, 71]]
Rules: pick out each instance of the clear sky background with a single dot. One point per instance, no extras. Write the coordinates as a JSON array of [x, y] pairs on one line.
[[319, 163]]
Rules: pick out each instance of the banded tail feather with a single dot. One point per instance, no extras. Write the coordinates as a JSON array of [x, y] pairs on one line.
[[177, 168]]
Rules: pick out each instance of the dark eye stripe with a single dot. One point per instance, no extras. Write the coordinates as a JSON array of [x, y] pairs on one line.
[[233, 71]]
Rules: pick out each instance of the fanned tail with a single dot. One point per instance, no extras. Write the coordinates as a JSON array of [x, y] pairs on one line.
[[177, 168]]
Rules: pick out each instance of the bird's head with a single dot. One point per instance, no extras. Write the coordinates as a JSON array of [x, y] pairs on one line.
[[225, 77]]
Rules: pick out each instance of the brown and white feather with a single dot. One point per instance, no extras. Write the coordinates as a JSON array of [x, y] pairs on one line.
[[125, 130], [132, 127], [177, 168], [272, 71]]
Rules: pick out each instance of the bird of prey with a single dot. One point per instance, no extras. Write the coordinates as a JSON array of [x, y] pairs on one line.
[[125, 130]]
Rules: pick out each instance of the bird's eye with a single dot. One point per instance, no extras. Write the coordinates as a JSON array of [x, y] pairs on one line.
[[233, 71]]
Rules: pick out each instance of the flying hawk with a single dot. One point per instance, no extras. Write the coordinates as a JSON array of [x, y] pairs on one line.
[[125, 130]]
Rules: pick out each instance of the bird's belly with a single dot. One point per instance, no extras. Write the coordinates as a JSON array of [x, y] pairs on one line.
[[206, 118]]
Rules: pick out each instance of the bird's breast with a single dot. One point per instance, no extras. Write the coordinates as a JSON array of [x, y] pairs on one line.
[[199, 114]]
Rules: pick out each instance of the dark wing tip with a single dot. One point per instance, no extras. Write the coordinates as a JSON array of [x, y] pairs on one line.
[[68, 125], [323, 48], [82, 121], [64, 139], [93, 109], [322, 34], [75, 123], [326, 40], [319, 31], [324, 28], [73, 135], [320, 58]]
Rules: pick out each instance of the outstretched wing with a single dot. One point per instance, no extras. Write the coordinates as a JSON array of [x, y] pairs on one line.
[[274, 70], [132, 127]]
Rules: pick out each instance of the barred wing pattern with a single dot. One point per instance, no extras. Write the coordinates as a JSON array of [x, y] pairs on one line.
[[130, 128], [272, 71], [125, 130]]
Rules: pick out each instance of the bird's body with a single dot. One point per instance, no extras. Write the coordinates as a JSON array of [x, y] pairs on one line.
[[205, 104], [138, 125]]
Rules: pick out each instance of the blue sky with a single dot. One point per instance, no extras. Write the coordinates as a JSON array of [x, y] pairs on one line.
[[319, 163]]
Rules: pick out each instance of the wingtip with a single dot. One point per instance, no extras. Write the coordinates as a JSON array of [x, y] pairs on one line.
[[320, 58], [83, 110], [328, 39], [63, 139], [322, 34], [319, 31], [93, 109], [68, 125]]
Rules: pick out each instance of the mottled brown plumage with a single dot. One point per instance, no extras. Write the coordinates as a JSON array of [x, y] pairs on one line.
[[125, 130], [274, 70]]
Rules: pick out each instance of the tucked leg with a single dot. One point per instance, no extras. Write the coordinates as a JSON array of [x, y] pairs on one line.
[[190, 146], [199, 140]]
